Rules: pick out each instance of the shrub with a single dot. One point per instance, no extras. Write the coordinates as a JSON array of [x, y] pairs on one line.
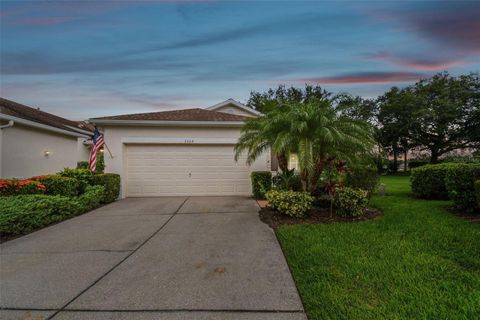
[[13, 187], [351, 202], [84, 177], [459, 181], [22, 214], [58, 185], [415, 163], [365, 178], [291, 203], [288, 180], [111, 183], [91, 198], [477, 192], [429, 181], [100, 167], [261, 183], [82, 165]]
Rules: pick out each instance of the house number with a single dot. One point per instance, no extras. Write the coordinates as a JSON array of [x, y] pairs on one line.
[[189, 141]]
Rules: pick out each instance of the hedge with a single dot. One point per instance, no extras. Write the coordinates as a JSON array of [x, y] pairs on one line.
[[365, 178], [428, 181], [460, 184], [58, 185], [25, 213], [415, 163], [84, 177], [111, 183], [261, 183], [14, 187]]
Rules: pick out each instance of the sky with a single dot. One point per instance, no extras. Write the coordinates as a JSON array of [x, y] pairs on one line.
[[83, 59]]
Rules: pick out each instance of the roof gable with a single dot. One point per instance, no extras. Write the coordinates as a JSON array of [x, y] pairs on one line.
[[229, 104]]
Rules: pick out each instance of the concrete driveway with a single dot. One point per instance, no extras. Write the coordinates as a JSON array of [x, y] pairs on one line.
[[151, 258]]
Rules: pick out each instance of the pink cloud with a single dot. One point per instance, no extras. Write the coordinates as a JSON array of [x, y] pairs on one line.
[[419, 63], [360, 78]]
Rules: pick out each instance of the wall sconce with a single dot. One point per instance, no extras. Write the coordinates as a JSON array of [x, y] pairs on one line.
[[46, 153]]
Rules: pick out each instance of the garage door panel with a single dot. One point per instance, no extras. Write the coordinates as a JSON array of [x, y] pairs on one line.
[[159, 170]]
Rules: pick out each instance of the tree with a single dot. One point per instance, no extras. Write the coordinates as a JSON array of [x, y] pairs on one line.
[[395, 121], [267, 101], [314, 130], [447, 115]]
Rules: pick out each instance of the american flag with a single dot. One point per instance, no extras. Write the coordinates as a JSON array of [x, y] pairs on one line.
[[97, 144]]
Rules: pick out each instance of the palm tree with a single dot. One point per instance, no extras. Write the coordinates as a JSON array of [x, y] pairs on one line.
[[314, 131], [259, 134]]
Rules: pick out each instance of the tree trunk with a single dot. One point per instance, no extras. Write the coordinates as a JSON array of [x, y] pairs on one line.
[[434, 156], [282, 162], [405, 153], [395, 161], [317, 172]]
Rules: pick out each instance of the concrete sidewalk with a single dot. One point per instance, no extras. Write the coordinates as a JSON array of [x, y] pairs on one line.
[[151, 258]]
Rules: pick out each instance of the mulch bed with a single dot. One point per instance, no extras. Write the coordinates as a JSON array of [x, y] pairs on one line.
[[316, 216], [470, 217]]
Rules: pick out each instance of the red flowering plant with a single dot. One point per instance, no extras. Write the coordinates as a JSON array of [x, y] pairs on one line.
[[10, 187], [332, 177]]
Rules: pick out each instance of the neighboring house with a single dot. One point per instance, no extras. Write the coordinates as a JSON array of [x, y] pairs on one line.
[[181, 152], [34, 142]]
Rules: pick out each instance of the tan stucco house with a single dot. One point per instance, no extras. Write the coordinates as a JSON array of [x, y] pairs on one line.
[[180, 152], [34, 142]]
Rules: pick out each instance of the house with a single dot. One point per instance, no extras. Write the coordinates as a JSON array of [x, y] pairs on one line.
[[34, 142], [180, 152]]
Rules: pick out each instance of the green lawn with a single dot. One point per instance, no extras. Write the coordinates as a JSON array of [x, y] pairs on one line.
[[416, 262]]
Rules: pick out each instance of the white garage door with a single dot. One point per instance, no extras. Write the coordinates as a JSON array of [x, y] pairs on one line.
[[164, 170]]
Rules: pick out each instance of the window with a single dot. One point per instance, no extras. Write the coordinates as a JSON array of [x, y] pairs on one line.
[[293, 162]]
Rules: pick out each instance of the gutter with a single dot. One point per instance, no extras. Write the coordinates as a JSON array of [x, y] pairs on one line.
[[42, 126], [168, 123], [9, 125]]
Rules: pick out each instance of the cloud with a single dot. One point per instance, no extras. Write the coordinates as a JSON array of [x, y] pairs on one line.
[[430, 63], [360, 78], [454, 25], [14, 63]]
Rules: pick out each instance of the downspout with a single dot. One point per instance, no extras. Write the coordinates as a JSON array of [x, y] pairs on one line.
[[8, 125]]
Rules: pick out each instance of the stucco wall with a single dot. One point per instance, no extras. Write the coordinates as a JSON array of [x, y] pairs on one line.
[[23, 152], [114, 135]]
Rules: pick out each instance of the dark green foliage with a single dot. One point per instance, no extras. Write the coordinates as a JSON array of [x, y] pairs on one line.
[[350, 202], [428, 181], [58, 185], [23, 214], [261, 183], [84, 177], [288, 180], [91, 198], [100, 167], [459, 182], [365, 178], [477, 192], [415, 163], [82, 165], [111, 183]]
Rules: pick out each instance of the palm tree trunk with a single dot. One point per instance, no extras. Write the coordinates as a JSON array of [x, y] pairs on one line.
[[282, 162]]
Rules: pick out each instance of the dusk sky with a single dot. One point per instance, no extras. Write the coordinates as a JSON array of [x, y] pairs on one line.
[[95, 58]]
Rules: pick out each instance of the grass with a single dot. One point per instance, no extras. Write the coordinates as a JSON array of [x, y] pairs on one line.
[[417, 262]]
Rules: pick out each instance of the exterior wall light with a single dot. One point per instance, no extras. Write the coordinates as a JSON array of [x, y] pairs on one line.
[[46, 153]]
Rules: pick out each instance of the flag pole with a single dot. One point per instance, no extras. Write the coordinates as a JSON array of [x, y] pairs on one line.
[[108, 149]]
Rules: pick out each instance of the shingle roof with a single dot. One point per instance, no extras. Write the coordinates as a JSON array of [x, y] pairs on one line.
[[196, 114], [18, 110]]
